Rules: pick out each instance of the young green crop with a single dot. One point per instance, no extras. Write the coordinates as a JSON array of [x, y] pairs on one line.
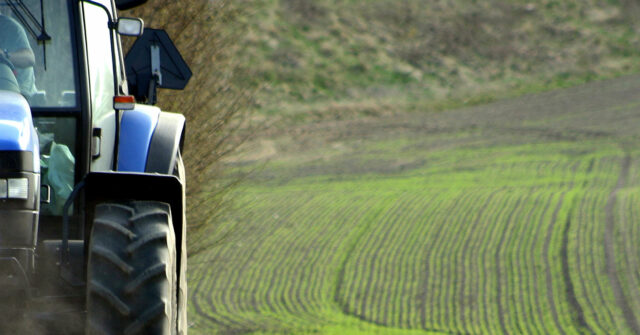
[[494, 221]]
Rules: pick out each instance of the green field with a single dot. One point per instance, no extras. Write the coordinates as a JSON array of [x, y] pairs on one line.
[[518, 217]]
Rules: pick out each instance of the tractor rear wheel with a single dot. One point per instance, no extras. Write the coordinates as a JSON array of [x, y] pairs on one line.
[[131, 274]]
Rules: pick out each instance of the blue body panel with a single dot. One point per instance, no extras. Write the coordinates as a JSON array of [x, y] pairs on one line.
[[17, 132], [136, 129]]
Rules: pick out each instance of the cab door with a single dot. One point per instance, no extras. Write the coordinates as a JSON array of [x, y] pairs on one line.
[[101, 83]]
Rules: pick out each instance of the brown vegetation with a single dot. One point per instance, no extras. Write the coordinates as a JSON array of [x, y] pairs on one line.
[[207, 35]]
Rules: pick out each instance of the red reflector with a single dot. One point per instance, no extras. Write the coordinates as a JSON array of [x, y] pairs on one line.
[[124, 102], [124, 99]]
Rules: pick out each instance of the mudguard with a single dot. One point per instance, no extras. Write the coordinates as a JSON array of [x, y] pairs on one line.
[[116, 186], [149, 140], [136, 129], [167, 140]]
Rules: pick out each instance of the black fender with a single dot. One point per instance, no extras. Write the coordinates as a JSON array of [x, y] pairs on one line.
[[103, 187], [167, 140]]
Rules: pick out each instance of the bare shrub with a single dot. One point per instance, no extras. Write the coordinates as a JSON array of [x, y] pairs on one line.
[[208, 34]]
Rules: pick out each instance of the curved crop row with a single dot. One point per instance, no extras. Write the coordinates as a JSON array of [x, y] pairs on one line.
[[500, 247]]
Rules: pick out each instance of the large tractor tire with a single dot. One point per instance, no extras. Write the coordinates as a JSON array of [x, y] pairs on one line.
[[131, 275]]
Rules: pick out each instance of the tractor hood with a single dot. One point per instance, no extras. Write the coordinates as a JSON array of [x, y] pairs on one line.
[[16, 126]]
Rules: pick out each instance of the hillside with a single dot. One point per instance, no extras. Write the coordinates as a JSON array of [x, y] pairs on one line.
[[339, 58]]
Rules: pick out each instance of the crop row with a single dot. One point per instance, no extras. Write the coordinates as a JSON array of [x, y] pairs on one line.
[[485, 259], [285, 264]]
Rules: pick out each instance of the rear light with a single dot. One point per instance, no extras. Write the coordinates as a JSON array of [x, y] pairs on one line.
[[124, 102], [14, 188]]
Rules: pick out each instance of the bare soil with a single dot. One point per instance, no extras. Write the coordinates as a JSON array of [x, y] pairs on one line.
[[598, 110], [609, 253]]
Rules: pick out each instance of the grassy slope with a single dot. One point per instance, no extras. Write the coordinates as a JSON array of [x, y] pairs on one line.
[[339, 58]]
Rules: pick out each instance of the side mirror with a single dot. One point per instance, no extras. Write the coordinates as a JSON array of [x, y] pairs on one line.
[[129, 26], [154, 62]]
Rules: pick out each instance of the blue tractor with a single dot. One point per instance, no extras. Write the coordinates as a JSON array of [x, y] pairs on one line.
[[92, 184]]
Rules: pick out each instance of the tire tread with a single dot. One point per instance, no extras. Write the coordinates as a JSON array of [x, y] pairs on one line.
[[134, 246], [138, 239], [148, 274], [115, 227], [144, 319], [107, 295], [113, 258]]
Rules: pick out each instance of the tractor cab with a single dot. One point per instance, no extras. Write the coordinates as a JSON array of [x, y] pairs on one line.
[[70, 87], [80, 156], [44, 71]]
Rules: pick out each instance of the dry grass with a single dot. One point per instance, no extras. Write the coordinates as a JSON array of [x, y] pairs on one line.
[[430, 55]]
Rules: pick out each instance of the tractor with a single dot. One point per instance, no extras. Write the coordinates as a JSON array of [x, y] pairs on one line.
[[92, 182]]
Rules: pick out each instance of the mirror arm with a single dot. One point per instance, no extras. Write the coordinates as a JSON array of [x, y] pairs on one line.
[[156, 73]]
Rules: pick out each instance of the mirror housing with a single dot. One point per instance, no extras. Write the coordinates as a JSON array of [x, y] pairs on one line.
[[154, 62], [129, 26], [126, 4]]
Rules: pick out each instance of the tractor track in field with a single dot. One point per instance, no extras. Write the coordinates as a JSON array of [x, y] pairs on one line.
[[271, 302], [536, 234], [297, 291], [341, 272], [210, 310], [581, 276], [209, 315], [548, 272], [340, 280], [577, 312], [609, 250]]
